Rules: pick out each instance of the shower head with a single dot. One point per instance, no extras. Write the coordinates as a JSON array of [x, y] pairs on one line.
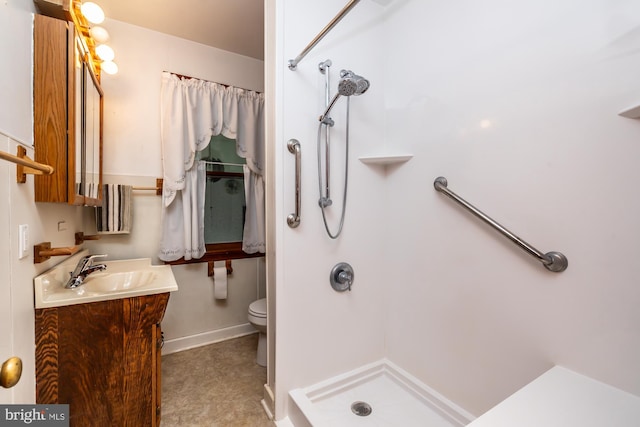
[[350, 84]]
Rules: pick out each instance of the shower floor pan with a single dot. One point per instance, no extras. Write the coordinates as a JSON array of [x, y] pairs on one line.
[[395, 398]]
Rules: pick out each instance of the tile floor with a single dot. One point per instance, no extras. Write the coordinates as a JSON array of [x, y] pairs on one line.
[[218, 385]]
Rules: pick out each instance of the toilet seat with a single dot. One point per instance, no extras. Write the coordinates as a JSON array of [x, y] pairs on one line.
[[258, 308]]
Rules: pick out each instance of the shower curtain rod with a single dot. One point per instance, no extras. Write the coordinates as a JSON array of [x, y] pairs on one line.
[[552, 261], [293, 63], [182, 76], [221, 163]]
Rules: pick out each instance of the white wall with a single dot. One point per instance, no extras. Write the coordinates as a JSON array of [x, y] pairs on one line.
[[474, 316], [15, 77], [132, 155], [436, 291], [132, 97], [321, 332]]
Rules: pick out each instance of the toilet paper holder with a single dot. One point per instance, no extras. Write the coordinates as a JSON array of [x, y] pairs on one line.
[[227, 264]]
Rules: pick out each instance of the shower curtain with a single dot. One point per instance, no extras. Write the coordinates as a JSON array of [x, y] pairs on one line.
[[192, 111]]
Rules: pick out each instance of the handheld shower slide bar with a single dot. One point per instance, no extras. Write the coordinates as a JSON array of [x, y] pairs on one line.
[[293, 63], [552, 261]]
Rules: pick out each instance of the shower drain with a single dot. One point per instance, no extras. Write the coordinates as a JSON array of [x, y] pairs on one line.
[[361, 409]]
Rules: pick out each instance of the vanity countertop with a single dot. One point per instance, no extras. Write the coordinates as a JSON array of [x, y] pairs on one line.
[[121, 279]]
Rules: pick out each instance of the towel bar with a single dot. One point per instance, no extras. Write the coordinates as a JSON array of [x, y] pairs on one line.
[[157, 188], [81, 237], [43, 251], [25, 165]]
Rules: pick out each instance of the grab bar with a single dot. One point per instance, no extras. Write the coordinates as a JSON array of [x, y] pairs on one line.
[[293, 220], [552, 261], [293, 63]]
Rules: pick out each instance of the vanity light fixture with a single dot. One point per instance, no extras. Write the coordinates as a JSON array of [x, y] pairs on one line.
[[95, 37], [105, 53], [91, 38], [109, 67], [92, 12], [99, 34]]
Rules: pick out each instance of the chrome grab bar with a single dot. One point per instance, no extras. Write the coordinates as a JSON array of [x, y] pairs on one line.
[[293, 220], [552, 261], [293, 63]]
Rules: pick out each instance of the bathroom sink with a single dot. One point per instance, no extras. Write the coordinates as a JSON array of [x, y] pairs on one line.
[[121, 279], [117, 282]]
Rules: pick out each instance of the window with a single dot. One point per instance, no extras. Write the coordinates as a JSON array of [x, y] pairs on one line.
[[225, 206]]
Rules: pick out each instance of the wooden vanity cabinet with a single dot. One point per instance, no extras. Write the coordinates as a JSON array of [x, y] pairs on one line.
[[67, 128], [103, 359]]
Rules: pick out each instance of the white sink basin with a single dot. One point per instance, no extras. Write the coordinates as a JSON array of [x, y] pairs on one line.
[[121, 279], [118, 282]]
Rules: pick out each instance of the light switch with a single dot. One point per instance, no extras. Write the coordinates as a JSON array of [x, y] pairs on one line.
[[23, 241]]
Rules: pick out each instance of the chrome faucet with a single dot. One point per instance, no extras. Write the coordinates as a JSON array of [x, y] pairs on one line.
[[84, 268]]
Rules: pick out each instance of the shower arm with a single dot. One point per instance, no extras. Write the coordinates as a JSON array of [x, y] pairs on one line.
[[293, 63], [324, 118]]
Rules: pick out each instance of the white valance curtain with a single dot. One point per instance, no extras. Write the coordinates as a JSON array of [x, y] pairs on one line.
[[192, 111]]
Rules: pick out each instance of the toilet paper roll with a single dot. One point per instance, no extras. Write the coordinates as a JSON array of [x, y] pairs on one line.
[[220, 282]]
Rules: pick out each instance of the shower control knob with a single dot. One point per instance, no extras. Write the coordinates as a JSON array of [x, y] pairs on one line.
[[341, 277], [344, 278]]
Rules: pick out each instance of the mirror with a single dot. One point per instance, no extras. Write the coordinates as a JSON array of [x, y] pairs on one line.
[[92, 137], [88, 136], [78, 70]]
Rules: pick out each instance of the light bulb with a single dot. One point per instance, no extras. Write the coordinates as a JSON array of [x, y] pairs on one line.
[[105, 53], [109, 67], [99, 34], [92, 12]]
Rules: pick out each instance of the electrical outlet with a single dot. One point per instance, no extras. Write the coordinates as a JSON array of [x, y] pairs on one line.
[[23, 241]]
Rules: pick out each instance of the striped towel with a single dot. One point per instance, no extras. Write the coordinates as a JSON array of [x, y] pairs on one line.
[[114, 216]]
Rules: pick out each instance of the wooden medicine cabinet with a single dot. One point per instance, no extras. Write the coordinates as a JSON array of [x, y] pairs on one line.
[[67, 115]]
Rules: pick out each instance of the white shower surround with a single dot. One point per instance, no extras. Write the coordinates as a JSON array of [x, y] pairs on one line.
[[516, 104]]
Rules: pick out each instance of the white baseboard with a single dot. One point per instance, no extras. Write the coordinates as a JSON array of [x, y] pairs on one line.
[[192, 341], [285, 422], [268, 401]]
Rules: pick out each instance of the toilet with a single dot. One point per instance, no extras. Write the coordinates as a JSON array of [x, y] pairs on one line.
[[258, 318]]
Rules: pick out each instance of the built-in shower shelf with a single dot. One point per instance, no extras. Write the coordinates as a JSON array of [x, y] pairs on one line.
[[631, 113], [386, 160]]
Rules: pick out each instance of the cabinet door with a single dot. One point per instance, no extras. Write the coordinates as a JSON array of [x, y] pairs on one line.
[[54, 109], [67, 116]]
